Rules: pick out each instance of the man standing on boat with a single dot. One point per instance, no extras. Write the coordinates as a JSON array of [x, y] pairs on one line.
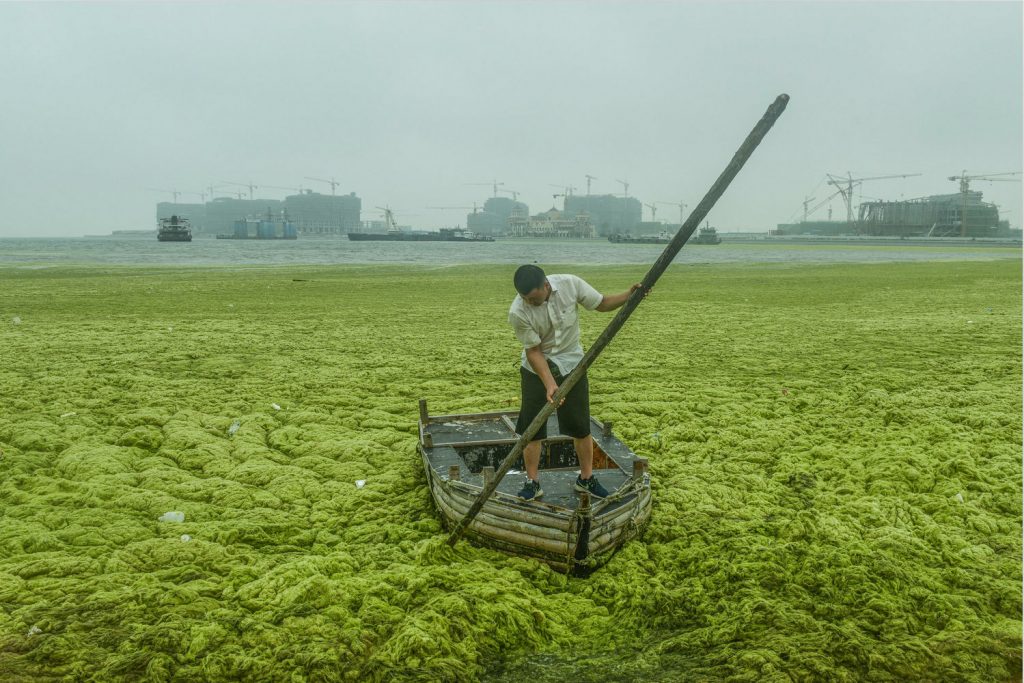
[[544, 317]]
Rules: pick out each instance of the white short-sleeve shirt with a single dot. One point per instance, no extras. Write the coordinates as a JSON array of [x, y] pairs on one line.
[[554, 324]]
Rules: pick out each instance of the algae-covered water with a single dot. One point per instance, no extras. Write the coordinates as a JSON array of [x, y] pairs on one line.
[[835, 454]]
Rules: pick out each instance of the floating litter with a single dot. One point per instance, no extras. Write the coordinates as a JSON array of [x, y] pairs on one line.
[[35, 631], [17, 321], [170, 329], [173, 516], [275, 406], [185, 538], [360, 483], [959, 497], [234, 427], [69, 414]]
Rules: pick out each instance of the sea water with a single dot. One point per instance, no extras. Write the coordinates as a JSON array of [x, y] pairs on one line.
[[40, 252]]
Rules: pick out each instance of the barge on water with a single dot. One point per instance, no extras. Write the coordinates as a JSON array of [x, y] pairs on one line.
[[443, 235], [572, 532], [394, 234]]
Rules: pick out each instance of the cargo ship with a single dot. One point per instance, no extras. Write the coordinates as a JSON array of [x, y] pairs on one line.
[[393, 234], [174, 229]]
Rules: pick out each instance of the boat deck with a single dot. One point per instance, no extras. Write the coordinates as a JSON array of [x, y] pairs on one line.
[[473, 442]]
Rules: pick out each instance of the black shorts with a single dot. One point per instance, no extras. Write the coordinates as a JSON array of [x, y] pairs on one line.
[[573, 415]]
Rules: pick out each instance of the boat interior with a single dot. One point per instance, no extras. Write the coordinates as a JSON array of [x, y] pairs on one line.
[[473, 442]]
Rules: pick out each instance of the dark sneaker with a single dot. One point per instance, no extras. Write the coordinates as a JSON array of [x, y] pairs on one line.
[[531, 490], [591, 486]]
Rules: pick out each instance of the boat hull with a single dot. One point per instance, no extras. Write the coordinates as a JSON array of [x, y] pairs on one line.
[[572, 533]]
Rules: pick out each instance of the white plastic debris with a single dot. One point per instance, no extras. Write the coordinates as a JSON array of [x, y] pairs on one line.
[[173, 516], [185, 538], [35, 631], [69, 414], [360, 483], [959, 497], [969, 322], [170, 329], [234, 427], [275, 406], [17, 321], [231, 305]]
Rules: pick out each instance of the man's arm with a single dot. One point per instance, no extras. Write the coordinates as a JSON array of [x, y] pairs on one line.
[[535, 357], [612, 301]]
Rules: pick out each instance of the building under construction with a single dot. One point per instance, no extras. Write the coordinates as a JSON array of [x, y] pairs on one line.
[[963, 214], [936, 216]]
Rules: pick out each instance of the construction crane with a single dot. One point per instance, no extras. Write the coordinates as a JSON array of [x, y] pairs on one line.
[[807, 200], [625, 187], [177, 193], [452, 208], [389, 219], [589, 178], [174, 193], [965, 180], [965, 188], [681, 205], [249, 185], [846, 185], [514, 193], [823, 202], [493, 183], [332, 182], [278, 187], [567, 189], [654, 212]]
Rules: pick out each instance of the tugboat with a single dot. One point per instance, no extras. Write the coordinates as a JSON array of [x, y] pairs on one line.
[[708, 235], [174, 229]]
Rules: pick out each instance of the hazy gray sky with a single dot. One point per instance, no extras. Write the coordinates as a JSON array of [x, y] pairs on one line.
[[405, 103]]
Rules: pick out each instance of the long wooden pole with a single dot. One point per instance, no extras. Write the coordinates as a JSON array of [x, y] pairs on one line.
[[659, 267]]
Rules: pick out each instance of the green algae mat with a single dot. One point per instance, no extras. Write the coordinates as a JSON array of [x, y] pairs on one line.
[[835, 454]]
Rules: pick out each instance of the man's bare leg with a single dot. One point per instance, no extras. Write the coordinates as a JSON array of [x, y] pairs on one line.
[[585, 454], [531, 456]]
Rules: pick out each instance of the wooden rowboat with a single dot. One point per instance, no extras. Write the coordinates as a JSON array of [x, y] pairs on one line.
[[573, 532]]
